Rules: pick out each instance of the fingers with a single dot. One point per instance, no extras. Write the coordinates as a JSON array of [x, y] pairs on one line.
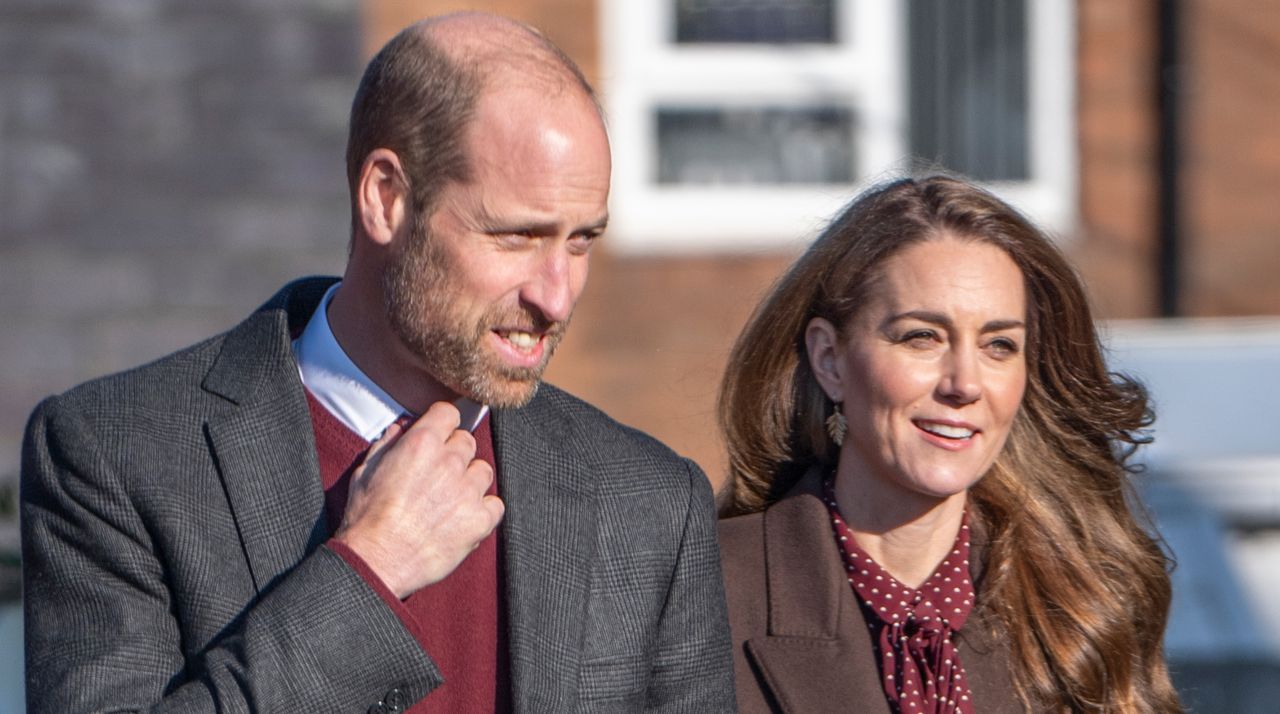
[[419, 503], [376, 449], [496, 508], [440, 419], [479, 475], [389, 436], [437, 432]]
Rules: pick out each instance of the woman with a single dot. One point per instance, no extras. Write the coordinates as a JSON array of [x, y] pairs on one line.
[[928, 477]]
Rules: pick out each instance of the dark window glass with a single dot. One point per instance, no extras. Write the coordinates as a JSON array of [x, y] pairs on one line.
[[968, 86], [758, 145], [764, 21]]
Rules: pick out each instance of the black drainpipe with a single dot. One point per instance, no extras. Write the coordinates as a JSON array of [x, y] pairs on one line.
[[1168, 90]]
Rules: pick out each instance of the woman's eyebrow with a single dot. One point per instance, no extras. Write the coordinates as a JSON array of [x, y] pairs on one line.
[[942, 320]]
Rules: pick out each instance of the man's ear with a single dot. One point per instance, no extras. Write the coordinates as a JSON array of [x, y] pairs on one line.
[[382, 196], [822, 343]]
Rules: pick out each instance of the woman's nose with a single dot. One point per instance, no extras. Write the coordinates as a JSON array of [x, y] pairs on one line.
[[960, 380]]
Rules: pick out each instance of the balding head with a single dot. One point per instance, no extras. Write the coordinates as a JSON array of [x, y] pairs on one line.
[[499, 48], [419, 94]]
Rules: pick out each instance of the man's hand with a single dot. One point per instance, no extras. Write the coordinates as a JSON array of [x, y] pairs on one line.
[[418, 506]]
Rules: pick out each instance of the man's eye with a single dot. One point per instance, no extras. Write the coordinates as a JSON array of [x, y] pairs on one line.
[[582, 242]]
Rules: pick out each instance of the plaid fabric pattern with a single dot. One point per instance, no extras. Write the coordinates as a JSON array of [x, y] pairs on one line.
[[172, 526]]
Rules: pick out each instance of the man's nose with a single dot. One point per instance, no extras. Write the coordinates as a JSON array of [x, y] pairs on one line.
[[551, 287], [961, 379]]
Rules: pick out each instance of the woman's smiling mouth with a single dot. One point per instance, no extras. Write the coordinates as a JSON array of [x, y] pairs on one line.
[[946, 430]]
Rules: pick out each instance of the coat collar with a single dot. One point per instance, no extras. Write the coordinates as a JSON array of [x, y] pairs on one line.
[[818, 654], [262, 441]]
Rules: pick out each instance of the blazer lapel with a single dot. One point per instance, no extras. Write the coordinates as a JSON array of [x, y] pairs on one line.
[[818, 655], [263, 443], [548, 543]]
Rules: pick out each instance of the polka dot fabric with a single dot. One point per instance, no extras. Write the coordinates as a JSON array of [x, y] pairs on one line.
[[912, 628]]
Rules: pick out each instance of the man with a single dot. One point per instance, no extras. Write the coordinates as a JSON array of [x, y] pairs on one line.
[[215, 531]]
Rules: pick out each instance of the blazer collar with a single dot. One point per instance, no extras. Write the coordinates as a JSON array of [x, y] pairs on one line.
[[256, 354], [548, 544], [262, 441], [817, 655]]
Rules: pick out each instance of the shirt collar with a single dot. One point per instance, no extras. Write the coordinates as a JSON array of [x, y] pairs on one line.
[[347, 392]]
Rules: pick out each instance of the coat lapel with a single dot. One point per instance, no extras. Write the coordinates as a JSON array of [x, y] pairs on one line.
[[548, 543], [263, 442], [818, 655]]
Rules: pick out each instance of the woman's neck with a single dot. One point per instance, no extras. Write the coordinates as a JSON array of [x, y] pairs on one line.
[[906, 534]]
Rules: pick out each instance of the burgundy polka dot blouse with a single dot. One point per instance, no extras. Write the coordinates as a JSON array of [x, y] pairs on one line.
[[912, 628]]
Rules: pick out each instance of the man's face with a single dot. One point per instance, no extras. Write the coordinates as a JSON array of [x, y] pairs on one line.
[[481, 292]]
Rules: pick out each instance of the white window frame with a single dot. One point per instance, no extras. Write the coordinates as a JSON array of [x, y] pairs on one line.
[[643, 68]]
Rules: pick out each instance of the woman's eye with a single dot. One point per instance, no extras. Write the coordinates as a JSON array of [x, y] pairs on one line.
[[1003, 346], [920, 336]]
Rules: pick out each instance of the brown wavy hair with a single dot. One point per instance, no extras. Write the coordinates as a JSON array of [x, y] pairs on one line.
[[1079, 586]]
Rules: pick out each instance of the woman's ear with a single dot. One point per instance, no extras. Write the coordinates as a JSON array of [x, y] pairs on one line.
[[382, 195], [822, 342]]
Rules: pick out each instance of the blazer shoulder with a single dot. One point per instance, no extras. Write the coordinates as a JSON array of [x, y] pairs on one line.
[[165, 384], [172, 384], [620, 458], [556, 404], [742, 556], [742, 532]]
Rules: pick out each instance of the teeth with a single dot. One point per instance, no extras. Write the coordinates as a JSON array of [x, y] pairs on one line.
[[944, 430], [523, 340]]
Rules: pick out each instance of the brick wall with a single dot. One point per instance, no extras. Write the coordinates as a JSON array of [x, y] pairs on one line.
[[164, 166], [1116, 101], [1232, 152], [571, 24]]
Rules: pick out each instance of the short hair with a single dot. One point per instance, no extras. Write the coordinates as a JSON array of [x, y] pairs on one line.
[[417, 100]]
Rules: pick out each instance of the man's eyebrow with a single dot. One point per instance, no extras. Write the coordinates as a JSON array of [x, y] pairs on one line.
[[542, 227], [937, 318], [596, 227]]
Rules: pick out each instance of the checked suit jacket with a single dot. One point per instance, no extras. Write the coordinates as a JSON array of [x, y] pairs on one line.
[[173, 529]]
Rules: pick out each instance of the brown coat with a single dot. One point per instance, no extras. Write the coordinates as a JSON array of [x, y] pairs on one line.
[[800, 641]]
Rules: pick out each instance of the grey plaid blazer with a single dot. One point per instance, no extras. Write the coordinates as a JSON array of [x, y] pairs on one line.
[[173, 522]]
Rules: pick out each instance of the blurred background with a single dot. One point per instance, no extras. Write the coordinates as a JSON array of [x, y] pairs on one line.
[[165, 165]]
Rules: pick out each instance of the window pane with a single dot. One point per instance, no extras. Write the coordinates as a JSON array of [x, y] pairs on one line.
[[765, 21], [968, 86], [760, 145]]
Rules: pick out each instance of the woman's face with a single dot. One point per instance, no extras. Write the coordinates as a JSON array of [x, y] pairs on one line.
[[931, 371]]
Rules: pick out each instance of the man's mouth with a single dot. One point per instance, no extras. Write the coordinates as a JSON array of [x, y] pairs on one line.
[[946, 431], [521, 340]]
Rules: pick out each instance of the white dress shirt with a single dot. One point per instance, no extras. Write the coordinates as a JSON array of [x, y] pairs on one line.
[[347, 392]]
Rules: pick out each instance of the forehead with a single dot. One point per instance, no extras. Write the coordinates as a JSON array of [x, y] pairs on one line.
[[519, 116], [952, 275], [539, 152]]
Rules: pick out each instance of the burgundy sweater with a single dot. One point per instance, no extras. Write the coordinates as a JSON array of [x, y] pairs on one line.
[[459, 621]]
